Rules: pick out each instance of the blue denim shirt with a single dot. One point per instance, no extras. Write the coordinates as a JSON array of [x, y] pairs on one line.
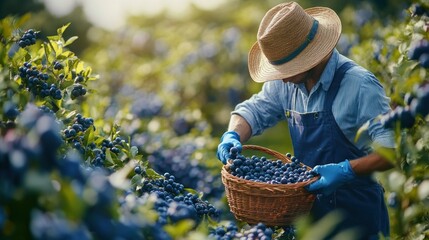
[[360, 99]]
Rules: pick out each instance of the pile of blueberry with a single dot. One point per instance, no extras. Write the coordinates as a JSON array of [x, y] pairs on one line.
[[230, 232], [261, 169], [28, 38]]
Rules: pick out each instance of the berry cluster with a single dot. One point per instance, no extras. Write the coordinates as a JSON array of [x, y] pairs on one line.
[[402, 116], [420, 103], [418, 10], [415, 105], [146, 105], [24, 157], [419, 51], [180, 162], [80, 124], [36, 82], [40, 156], [112, 145], [77, 91], [393, 200], [173, 203], [230, 232], [181, 126], [10, 110], [58, 65], [28, 38], [47, 110], [260, 169], [74, 132], [100, 153]]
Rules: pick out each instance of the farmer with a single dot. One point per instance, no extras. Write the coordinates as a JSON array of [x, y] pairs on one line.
[[325, 98]]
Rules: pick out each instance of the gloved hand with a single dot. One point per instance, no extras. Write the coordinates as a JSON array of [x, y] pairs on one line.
[[332, 176], [227, 141]]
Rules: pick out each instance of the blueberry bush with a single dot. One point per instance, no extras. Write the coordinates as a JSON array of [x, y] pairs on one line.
[[122, 145], [400, 61]]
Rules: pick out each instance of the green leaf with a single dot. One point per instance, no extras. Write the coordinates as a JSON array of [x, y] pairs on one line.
[[119, 178], [89, 136], [324, 226], [39, 182], [134, 151], [423, 190], [65, 55], [79, 66], [152, 174], [135, 180], [48, 51], [109, 156], [23, 19], [193, 191], [361, 130], [70, 40], [180, 229], [62, 29], [388, 153], [70, 114], [53, 38], [72, 204], [211, 222]]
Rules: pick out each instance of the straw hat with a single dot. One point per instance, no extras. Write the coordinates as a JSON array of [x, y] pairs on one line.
[[292, 40]]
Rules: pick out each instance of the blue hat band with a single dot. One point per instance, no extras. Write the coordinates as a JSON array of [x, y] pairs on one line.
[[297, 51]]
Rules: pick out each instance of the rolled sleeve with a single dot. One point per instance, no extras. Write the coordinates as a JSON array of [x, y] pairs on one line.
[[264, 109], [381, 136], [373, 103]]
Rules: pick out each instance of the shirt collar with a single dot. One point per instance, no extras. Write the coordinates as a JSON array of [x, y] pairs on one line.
[[327, 75]]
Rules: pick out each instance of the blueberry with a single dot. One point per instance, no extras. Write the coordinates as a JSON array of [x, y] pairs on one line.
[[424, 60]]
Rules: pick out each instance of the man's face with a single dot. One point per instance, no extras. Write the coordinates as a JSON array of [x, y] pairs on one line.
[[300, 78]]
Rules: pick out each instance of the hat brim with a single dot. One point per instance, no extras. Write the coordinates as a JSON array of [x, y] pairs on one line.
[[327, 36]]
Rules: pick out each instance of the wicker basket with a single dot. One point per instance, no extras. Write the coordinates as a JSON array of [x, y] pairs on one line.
[[271, 204]]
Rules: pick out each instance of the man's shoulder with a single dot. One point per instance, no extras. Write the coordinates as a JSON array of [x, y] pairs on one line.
[[358, 75]]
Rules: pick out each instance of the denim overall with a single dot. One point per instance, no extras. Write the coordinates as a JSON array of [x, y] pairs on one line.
[[317, 140]]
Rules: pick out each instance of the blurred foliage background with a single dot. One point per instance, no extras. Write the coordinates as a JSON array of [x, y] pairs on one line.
[[195, 62], [172, 79]]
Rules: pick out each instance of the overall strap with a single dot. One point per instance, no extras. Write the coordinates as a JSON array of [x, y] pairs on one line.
[[335, 85]]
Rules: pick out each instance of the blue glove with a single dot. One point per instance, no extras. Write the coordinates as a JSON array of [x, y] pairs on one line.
[[227, 141], [332, 176]]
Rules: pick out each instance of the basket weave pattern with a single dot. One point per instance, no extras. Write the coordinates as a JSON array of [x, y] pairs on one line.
[[271, 204]]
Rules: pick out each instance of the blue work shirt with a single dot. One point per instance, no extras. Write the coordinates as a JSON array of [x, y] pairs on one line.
[[360, 99]]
